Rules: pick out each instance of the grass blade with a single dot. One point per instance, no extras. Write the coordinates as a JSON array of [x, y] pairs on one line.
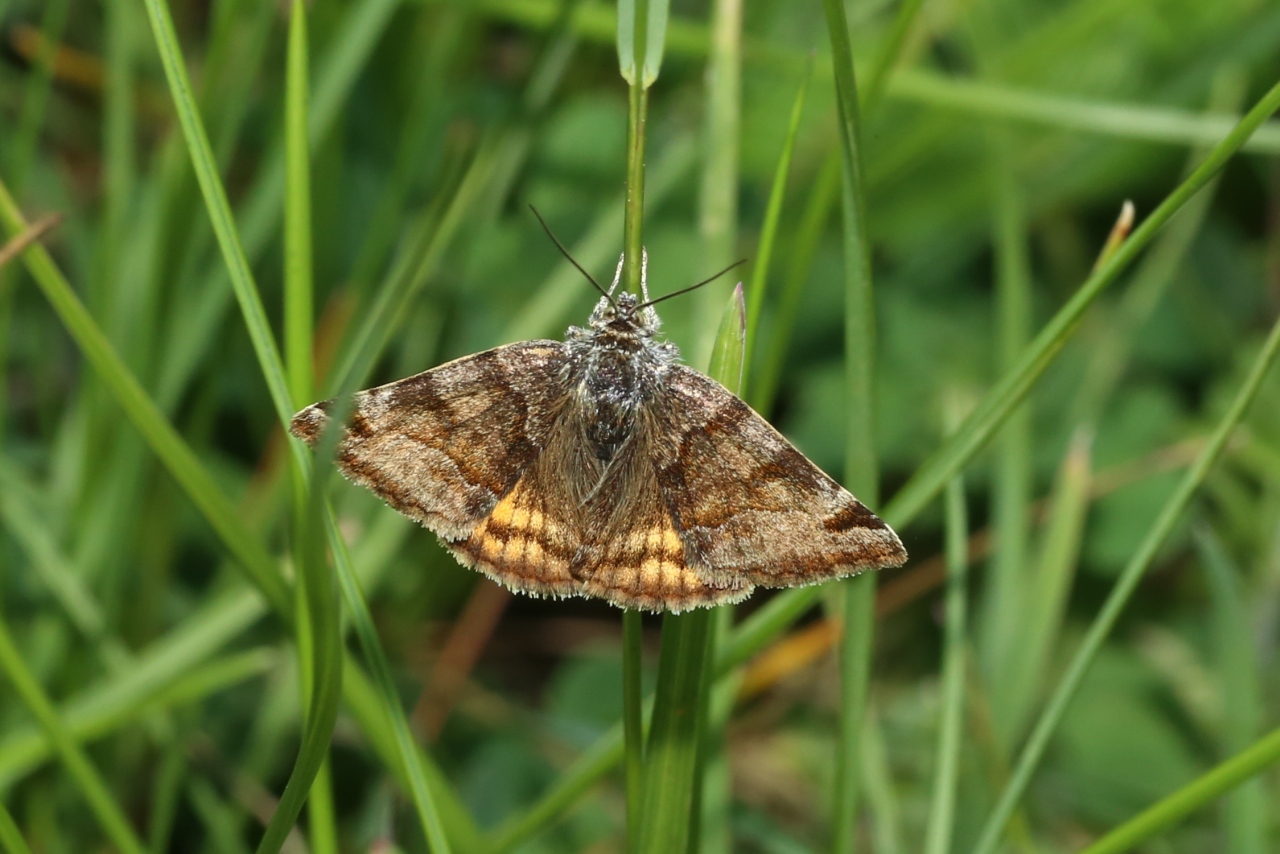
[[994, 409], [1203, 790], [718, 185], [1245, 812], [215, 196], [1011, 496], [1126, 121], [85, 777], [890, 51], [772, 217], [633, 43], [673, 751], [318, 629], [177, 456], [817, 210], [1048, 588], [10, 835], [642, 34], [633, 722], [406, 750], [199, 486], [1120, 593], [430, 239], [861, 471], [717, 217], [569, 787], [298, 280], [946, 773]]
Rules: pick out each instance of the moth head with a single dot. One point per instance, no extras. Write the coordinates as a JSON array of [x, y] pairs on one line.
[[624, 313]]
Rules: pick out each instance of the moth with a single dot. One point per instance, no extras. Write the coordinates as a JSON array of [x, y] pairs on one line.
[[600, 466]]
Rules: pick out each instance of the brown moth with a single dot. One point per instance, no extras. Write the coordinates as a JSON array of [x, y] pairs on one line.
[[598, 466]]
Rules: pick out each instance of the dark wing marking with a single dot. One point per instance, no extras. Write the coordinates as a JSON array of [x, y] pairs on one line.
[[747, 504], [444, 446]]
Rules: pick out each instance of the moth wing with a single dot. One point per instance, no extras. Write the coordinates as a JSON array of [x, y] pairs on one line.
[[747, 504], [445, 446], [631, 553]]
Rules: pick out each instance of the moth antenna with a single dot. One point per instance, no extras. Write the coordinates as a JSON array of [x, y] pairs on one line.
[[706, 281], [565, 253]]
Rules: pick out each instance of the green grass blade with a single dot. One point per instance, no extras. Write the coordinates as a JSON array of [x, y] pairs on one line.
[[728, 356], [884, 800], [176, 669], [633, 261], [422, 779], [569, 787], [10, 835], [1126, 121], [946, 773], [1015, 689], [718, 185], [177, 456], [337, 70], [1120, 593], [320, 637], [406, 750], [206, 169], [997, 405], [642, 33], [724, 349], [298, 283], [219, 819], [318, 628], [1005, 589], [596, 23], [1204, 790], [889, 53], [633, 722], [672, 753], [186, 469], [861, 470], [772, 217], [84, 776], [1154, 276], [1245, 814], [35, 95], [808, 235], [430, 239], [166, 796], [119, 138]]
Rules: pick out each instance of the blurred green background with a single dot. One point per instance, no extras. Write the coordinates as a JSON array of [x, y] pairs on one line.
[[997, 157]]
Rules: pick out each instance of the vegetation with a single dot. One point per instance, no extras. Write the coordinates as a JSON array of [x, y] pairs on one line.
[[1064, 408]]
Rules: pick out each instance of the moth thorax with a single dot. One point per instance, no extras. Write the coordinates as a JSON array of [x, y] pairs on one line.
[[612, 392]]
